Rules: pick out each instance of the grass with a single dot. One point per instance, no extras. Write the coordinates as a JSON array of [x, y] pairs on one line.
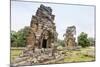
[[84, 54], [15, 53], [79, 57], [71, 56]]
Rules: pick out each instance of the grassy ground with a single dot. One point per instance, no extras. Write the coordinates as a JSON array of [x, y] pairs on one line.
[[77, 56], [82, 55], [15, 53]]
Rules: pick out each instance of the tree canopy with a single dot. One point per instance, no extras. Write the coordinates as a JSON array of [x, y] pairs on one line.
[[83, 40], [18, 39]]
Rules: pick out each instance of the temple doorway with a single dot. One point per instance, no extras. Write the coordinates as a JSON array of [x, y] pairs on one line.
[[44, 43]]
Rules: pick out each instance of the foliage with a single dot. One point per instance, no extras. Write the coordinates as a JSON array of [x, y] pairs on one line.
[[92, 41], [13, 39], [18, 39], [60, 42], [83, 40]]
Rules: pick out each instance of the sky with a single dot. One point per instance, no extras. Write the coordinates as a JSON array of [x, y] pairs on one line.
[[83, 17]]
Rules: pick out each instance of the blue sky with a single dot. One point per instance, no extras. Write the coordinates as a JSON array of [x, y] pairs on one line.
[[65, 15]]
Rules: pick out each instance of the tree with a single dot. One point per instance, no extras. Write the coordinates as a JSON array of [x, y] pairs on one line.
[[60, 42], [13, 39], [83, 40], [92, 41], [18, 39]]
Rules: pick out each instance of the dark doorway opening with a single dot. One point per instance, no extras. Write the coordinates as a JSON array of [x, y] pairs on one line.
[[44, 43]]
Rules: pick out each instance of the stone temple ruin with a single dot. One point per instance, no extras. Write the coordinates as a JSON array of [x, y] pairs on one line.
[[41, 41], [69, 38], [42, 29]]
